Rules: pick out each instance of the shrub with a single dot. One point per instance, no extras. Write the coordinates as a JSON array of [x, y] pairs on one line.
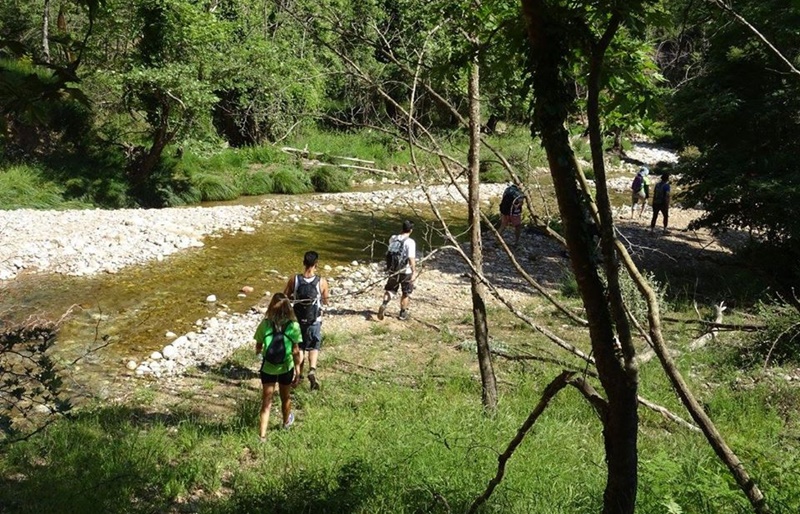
[[569, 285], [634, 300], [779, 343], [23, 187], [492, 172], [265, 154], [216, 187], [257, 183], [330, 180], [31, 382], [291, 181]]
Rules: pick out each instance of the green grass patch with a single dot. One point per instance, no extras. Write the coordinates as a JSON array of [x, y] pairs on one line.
[[291, 181], [330, 180], [23, 187]]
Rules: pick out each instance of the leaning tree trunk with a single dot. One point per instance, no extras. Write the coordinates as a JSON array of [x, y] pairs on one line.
[[551, 105], [488, 383]]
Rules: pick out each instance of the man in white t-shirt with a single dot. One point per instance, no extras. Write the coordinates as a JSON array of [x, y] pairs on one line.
[[402, 279]]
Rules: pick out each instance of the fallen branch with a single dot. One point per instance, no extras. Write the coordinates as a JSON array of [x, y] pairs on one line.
[[744, 327], [360, 168], [560, 382], [711, 334]]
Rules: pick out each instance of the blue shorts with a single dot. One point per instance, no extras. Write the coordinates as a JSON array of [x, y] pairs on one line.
[[312, 336]]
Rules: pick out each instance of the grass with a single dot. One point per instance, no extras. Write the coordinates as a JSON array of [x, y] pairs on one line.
[[404, 432], [206, 172], [23, 186]]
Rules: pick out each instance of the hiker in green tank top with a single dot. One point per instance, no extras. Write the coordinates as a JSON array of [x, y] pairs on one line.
[[277, 342]]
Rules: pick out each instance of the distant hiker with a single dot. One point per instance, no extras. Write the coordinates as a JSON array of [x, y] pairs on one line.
[[277, 338], [511, 210], [309, 292], [661, 197], [401, 263], [640, 190]]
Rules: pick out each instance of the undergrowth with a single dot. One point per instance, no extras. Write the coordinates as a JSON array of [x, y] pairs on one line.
[[404, 432]]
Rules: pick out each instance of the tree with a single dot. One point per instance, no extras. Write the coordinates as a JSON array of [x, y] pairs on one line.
[[551, 28], [740, 111]]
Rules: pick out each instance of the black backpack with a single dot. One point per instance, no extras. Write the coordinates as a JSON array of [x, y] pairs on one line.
[[396, 257], [306, 299], [276, 351], [511, 193]]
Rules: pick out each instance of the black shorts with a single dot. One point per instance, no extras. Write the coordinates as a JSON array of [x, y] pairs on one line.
[[284, 379], [398, 281]]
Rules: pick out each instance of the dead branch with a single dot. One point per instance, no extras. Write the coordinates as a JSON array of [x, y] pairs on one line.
[[667, 414], [374, 171], [728, 9], [744, 327], [553, 388], [711, 334], [715, 439]]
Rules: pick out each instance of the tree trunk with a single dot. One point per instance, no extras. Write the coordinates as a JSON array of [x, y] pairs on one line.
[[46, 31], [552, 101], [488, 383]]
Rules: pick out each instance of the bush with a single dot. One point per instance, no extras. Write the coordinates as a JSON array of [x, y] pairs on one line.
[[31, 382], [214, 188], [633, 298], [330, 180], [569, 285], [291, 181], [266, 154], [780, 342], [492, 172], [23, 187], [257, 183]]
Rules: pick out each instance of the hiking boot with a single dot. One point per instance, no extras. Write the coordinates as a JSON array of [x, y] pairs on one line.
[[312, 379], [381, 311], [289, 423], [403, 315]]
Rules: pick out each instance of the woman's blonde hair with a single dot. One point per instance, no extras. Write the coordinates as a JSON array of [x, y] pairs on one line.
[[280, 310]]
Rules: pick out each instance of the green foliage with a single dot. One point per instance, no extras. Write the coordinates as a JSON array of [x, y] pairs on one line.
[[257, 183], [636, 303], [737, 112], [23, 187], [215, 187], [568, 284], [330, 180], [291, 181], [779, 344], [492, 172], [31, 382]]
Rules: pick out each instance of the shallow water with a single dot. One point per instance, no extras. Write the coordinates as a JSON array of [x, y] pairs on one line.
[[128, 313]]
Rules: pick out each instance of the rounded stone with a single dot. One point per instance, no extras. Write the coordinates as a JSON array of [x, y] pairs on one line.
[[169, 352]]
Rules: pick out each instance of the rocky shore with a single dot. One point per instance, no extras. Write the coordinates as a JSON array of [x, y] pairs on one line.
[[94, 241]]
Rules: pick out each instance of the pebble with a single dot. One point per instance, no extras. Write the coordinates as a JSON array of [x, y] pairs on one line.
[[93, 241], [84, 242]]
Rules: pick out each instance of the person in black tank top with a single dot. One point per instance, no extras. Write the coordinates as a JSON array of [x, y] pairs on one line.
[[309, 293]]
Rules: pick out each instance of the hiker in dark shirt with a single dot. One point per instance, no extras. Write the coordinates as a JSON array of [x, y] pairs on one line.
[[661, 198], [309, 292]]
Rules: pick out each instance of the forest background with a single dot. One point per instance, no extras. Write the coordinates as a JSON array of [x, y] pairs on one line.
[[167, 102]]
